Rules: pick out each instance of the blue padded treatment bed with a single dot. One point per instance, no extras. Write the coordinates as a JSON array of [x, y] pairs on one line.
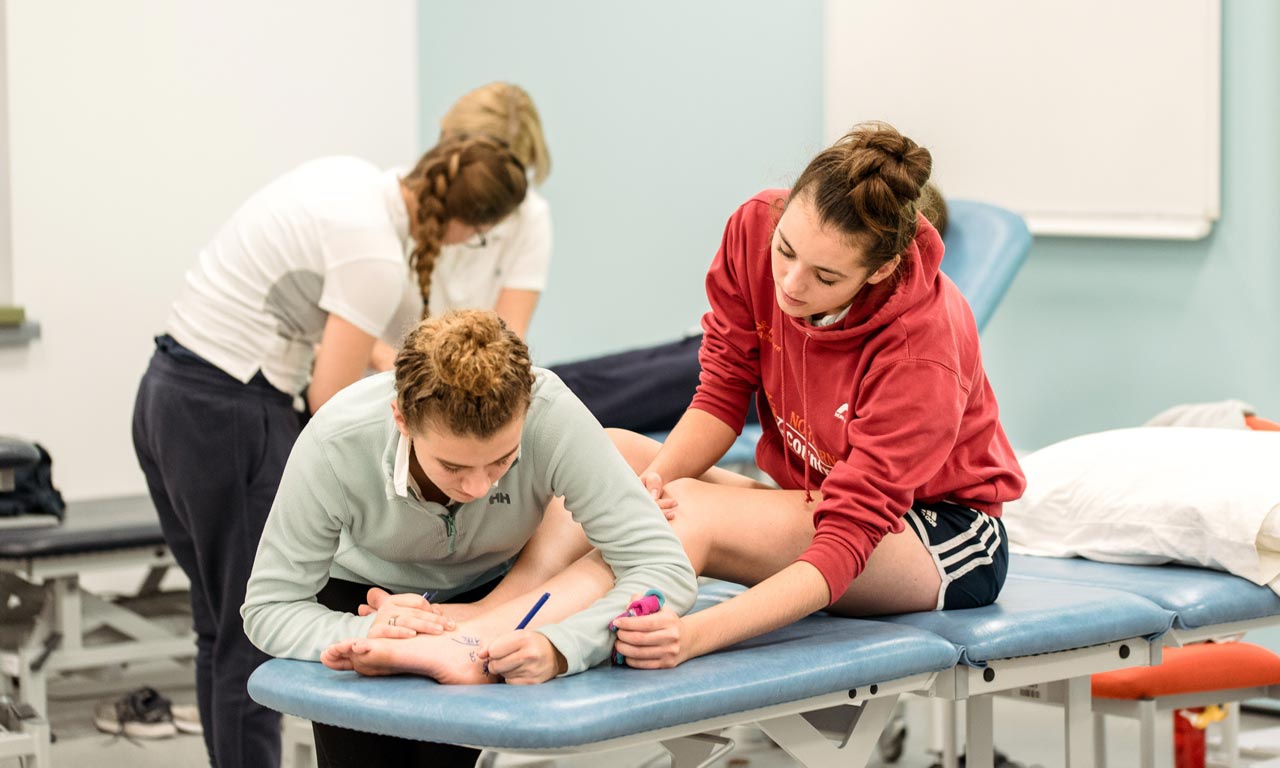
[[773, 680], [1040, 635], [1039, 616], [1206, 603], [985, 247], [801, 661]]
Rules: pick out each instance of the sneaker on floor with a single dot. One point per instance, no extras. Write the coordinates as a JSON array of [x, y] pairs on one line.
[[186, 718], [140, 714]]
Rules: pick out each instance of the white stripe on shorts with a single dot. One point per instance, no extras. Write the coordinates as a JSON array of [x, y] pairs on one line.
[[982, 538], [982, 544]]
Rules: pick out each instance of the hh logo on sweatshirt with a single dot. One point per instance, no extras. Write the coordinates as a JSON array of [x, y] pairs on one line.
[[500, 498]]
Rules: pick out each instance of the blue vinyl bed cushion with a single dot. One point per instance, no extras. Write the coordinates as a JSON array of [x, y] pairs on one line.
[[1199, 597], [1033, 616], [985, 247]]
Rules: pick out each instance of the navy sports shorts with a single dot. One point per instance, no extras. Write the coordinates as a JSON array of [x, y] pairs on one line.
[[969, 548]]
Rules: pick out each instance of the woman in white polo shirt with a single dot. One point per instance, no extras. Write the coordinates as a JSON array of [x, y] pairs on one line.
[[333, 256]]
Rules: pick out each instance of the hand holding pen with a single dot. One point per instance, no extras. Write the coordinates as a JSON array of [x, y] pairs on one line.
[[521, 657]]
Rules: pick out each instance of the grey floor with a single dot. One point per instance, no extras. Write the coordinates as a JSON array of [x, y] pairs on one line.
[[1029, 734]]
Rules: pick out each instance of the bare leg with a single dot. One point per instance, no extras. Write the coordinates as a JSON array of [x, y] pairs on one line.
[[450, 658], [559, 541], [556, 544], [746, 535], [736, 529]]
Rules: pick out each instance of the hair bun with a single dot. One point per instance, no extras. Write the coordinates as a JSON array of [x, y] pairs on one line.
[[465, 371], [888, 157], [866, 185], [470, 356]]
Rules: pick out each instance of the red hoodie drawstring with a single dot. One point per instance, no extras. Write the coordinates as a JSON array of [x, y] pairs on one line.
[[780, 330], [804, 413]]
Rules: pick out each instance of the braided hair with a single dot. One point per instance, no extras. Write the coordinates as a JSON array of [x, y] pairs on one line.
[[475, 180]]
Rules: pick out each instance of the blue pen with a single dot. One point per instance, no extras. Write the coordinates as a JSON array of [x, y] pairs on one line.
[[528, 617]]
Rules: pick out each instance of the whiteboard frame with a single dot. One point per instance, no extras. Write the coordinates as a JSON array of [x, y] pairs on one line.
[[1102, 225]]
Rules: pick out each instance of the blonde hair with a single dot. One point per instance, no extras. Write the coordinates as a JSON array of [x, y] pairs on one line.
[[934, 207], [464, 371], [868, 185], [505, 112], [475, 180]]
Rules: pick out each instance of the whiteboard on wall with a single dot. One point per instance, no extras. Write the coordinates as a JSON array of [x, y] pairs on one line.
[[1090, 117]]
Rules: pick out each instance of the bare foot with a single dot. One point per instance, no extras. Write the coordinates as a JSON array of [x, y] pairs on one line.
[[450, 658]]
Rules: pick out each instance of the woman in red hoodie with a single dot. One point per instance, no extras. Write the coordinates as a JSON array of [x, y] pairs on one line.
[[882, 431]]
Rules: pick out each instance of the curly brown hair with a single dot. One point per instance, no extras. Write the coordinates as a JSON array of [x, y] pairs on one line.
[[464, 371], [475, 180], [867, 185]]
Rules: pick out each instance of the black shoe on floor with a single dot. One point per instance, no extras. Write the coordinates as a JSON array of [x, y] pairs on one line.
[[140, 714]]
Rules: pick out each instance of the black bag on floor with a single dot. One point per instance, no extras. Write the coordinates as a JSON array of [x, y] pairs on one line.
[[33, 492]]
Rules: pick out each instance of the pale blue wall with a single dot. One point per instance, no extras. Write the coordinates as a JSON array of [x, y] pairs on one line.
[[663, 116]]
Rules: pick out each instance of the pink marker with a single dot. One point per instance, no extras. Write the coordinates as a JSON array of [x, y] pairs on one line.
[[651, 602]]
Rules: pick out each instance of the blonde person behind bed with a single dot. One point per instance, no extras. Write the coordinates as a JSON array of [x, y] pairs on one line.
[[503, 265], [432, 480]]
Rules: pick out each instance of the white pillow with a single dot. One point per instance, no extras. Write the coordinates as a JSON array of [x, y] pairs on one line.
[[1150, 495]]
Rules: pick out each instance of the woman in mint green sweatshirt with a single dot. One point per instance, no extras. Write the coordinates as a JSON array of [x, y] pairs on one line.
[[430, 480]]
